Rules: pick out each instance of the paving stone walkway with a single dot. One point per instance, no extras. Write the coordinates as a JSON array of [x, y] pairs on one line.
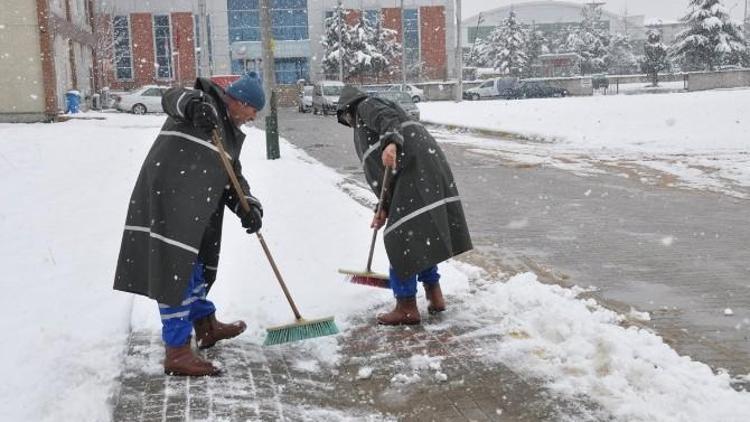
[[433, 372]]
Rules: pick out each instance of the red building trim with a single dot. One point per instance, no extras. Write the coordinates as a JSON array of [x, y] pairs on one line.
[[183, 42], [142, 43], [432, 41], [47, 57]]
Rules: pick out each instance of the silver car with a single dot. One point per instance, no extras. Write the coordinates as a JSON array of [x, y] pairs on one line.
[[403, 99]]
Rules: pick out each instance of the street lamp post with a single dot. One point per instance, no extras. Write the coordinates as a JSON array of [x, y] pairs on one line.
[[403, 48], [459, 55], [269, 82]]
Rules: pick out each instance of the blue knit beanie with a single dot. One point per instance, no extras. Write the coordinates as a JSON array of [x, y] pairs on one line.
[[249, 90]]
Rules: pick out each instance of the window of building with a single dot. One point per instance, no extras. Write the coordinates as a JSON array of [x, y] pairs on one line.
[[287, 70], [163, 46], [288, 20], [123, 55], [291, 69], [372, 16], [411, 40]]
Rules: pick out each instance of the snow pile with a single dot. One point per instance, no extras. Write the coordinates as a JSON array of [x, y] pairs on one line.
[[579, 347], [699, 137], [63, 192]]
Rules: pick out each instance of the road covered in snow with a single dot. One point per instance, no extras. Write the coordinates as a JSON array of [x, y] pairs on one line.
[[64, 194], [696, 140]]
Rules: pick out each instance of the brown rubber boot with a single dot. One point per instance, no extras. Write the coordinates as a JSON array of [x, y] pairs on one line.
[[405, 313], [208, 331], [434, 297], [182, 361]]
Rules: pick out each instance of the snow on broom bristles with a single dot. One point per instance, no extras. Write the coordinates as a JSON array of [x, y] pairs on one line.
[[300, 330]]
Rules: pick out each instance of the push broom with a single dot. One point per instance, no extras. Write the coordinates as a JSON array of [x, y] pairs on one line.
[[300, 329], [368, 277]]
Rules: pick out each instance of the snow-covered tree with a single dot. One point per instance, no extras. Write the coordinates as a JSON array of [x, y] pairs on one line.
[[386, 43], [536, 46], [620, 58], [337, 43], [506, 47], [477, 54], [590, 40], [655, 58], [711, 38]]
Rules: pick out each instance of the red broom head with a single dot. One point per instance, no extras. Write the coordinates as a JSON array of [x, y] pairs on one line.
[[373, 280]]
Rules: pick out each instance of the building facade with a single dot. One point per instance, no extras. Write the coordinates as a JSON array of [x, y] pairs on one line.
[[47, 48], [155, 43]]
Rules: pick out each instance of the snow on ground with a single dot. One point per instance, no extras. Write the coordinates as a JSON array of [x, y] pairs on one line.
[[699, 138], [65, 193]]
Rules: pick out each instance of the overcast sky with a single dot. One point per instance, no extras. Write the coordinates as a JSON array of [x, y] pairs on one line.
[[664, 9]]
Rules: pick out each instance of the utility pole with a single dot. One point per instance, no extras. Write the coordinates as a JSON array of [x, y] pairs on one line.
[[745, 22], [403, 48], [205, 70], [269, 83], [340, 19], [459, 55]]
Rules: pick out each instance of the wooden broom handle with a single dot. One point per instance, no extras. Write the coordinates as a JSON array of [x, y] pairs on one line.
[[246, 207], [383, 190]]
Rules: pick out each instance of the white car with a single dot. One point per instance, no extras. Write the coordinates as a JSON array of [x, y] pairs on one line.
[[305, 99], [416, 94], [146, 99]]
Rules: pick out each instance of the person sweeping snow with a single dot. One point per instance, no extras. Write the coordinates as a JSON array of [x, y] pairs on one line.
[[170, 245], [425, 219]]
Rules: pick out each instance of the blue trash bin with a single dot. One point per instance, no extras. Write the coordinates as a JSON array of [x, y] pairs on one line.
[[73, 101]]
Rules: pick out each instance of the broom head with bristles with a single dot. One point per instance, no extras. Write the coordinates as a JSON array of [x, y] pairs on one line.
[[367, 278], [302, 329]]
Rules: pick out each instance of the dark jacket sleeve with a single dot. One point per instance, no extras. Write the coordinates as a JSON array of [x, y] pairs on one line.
[[175, 102], [383, 119], [230, 198]]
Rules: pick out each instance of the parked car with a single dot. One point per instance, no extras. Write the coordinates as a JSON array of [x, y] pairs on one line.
[[403, 99], [146, 99], [539, 89], [493, 88], [325, 96], [416, 94], [305, 99]]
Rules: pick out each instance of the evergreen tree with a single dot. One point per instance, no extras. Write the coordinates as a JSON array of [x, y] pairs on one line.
[[536, 46], [655, 57], [620, 58], [385, 42], [590, 41], [711, 38], [337, 44], [478, 54], [507, 46], [364, 51]]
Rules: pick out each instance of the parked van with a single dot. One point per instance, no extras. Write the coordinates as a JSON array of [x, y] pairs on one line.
[[493, 88], [326, 96]]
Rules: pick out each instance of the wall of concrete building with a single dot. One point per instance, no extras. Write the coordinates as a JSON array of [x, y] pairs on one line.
[[21, 78]]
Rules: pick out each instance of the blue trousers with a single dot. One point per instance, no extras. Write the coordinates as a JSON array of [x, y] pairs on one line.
[[408, 287], [177, 321]]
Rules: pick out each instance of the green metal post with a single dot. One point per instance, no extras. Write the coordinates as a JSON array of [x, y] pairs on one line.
[[272, 131]]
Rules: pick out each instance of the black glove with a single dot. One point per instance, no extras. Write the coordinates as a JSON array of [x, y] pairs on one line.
[[251, 220], [202, 115]]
